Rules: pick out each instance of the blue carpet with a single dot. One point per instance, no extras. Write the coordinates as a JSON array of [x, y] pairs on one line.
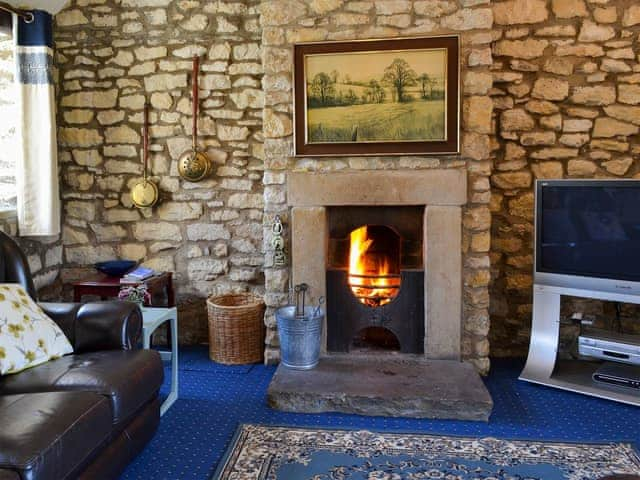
[[196, 359], [195, 432]]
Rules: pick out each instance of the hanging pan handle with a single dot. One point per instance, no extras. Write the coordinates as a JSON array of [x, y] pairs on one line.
[[195, 97], [145, 143]]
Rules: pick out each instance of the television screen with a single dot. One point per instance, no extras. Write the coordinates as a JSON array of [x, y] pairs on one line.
[[589, 228]]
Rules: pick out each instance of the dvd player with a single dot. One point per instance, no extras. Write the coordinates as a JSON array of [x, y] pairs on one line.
[[611, 346], [626, 376]]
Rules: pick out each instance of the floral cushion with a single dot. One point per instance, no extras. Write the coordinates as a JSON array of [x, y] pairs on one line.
[[27, 336]]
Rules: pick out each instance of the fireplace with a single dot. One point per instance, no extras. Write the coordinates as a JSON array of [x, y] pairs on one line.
[[415, 217], [375, 279], [385, 249]]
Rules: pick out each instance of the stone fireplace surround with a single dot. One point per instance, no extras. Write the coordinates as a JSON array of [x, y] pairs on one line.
[[434, 385], [442, 192]]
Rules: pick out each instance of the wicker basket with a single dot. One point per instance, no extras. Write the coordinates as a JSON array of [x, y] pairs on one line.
[[236, 328]]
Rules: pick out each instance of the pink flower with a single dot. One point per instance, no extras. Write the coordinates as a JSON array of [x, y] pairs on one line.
[[135, 293]]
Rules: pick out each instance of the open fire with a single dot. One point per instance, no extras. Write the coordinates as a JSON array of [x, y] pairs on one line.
[[374, 277]]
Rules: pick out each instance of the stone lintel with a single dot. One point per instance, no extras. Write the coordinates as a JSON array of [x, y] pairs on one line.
[[443, 282], [410, 187]]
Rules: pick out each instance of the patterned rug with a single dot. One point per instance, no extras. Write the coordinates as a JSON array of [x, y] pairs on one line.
[[260, 452]]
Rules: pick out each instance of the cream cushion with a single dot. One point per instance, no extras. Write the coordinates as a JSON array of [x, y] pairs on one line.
[[27, 336]]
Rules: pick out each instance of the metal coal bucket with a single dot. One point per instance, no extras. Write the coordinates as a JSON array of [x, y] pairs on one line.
[[300, 336]]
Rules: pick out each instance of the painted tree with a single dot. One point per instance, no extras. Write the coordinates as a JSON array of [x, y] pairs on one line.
[[425, 82], [375, 92], [323, 87], [351, 98], [400, 76]]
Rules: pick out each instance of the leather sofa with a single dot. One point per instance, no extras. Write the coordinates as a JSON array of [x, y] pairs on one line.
[[85, 415]]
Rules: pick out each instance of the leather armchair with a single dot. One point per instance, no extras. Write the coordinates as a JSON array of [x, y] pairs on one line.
[[85, 415]]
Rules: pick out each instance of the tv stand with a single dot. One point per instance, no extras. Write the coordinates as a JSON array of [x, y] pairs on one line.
[[543, 366]]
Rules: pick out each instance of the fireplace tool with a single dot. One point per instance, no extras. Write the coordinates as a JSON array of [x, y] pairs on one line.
[[300, 331], [301, 292]]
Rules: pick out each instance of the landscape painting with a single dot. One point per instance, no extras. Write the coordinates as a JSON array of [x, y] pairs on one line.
[[358, 99], [376, 96]]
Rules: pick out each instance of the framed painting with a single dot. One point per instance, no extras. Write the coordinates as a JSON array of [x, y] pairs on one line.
[[377, 97]]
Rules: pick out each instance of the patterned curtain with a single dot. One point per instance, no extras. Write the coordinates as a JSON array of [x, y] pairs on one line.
[[37, 164]]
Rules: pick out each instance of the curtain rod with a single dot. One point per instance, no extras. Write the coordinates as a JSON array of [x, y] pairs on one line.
[[26, 15]]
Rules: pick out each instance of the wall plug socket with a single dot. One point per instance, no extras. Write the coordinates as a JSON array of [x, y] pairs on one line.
[[587, 320]]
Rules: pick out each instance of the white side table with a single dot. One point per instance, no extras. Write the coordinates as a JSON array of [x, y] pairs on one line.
[[152, 318]]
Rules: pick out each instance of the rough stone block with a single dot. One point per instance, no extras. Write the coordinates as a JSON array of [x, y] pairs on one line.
[[528, 49], [520, 11], [608, 127], [597, 95], [91, 99], [569, 8], [551, 89], [383, 386], [157, 231]]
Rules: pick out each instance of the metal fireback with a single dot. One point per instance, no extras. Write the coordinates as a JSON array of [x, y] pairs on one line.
[[404, 315]]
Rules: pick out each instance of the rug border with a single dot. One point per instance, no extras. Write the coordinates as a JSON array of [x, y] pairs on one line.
[[228, 451], [230, 447]]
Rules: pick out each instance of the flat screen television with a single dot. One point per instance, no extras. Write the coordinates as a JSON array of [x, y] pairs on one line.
[[588, 235]]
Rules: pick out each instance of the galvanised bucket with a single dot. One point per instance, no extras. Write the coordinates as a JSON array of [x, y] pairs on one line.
[[300, 336]]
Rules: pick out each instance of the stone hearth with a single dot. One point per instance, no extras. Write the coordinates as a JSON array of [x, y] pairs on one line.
[[383, 385]]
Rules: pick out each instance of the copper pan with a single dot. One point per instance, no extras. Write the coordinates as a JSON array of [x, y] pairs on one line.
[[144, 193], [194, 165]]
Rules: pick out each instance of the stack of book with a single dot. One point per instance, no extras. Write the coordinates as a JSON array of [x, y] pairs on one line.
[[138, 275]]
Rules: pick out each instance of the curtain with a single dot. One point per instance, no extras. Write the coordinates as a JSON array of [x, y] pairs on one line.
[[37, 180]]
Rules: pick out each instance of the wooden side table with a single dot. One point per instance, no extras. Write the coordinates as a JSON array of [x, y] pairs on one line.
[[106, 287]]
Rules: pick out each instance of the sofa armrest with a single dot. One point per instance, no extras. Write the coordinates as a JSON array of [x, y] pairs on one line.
[[64, 314], [108, 326], [98, 326]]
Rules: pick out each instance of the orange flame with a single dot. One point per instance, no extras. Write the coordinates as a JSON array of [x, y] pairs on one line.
[[366, 271]]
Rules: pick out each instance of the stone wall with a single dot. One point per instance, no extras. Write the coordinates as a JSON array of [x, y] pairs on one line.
[[111, 54], [550, 89], [567, 97], [286, 22]]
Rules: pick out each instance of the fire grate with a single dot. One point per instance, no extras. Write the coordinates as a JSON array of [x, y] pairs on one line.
[[374, 290]]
